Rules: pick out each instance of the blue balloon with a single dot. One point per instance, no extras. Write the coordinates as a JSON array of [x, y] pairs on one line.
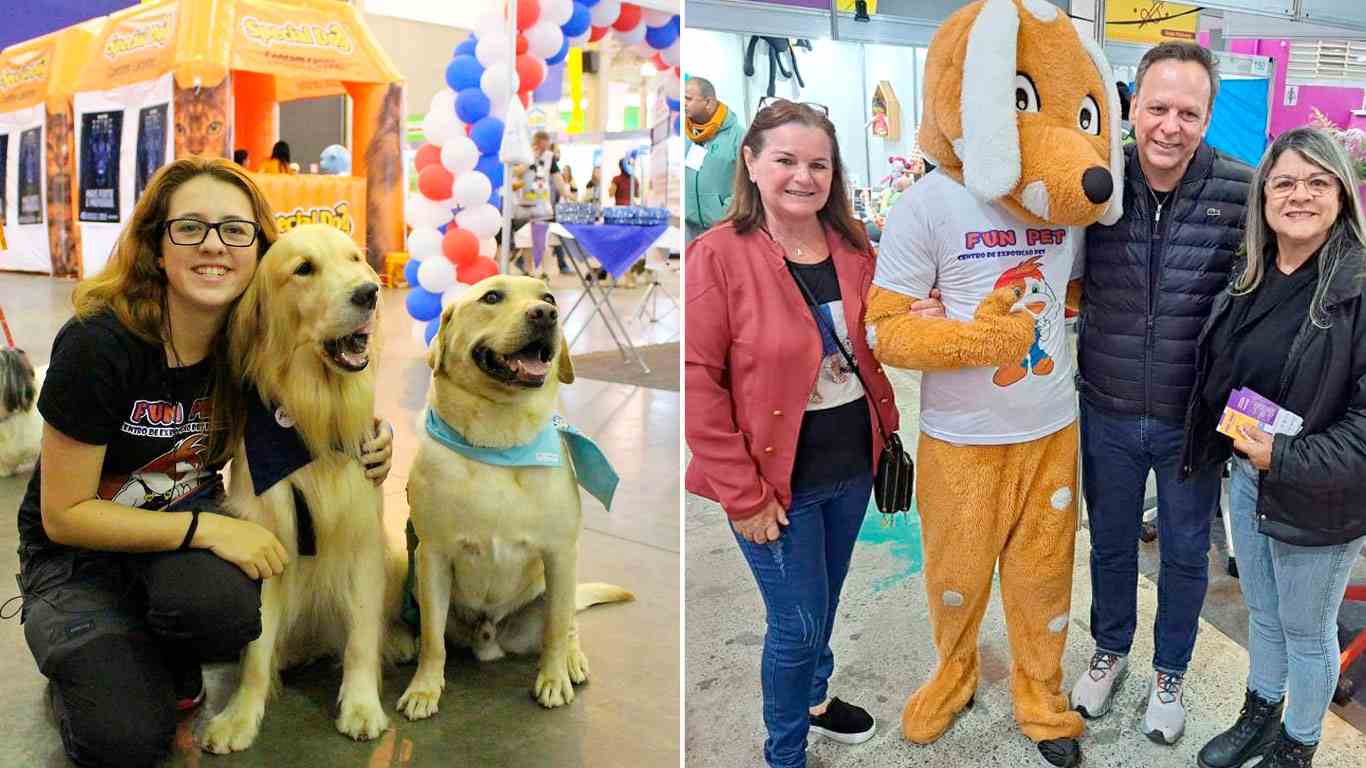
[[560, 55], [442, 228], [492, 167], [660, 38], [471, 106], [463, 72], [487, 134], [466, 47], [432, 327], [580, 21], [410, 272], [587, 3], [422, 304], [674, 104], [496, 199]]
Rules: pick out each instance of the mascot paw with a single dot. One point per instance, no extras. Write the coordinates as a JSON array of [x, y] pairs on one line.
[[999, 303]]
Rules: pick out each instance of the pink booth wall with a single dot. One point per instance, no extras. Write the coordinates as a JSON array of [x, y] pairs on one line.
[[1335, 102]]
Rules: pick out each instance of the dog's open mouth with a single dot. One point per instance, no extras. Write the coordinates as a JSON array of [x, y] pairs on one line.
[[352, 351], [527, 367]]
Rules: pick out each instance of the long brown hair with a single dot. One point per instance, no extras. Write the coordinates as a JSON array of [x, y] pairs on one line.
[[133, 287], [747, 209]]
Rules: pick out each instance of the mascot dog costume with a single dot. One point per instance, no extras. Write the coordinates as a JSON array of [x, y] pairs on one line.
[[1023, 122]]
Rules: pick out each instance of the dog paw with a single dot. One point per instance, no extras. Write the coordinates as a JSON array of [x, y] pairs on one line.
[[421, 700], [232, 730], [554, 687], [400, 645], [362, 720], [488, 651], [578, 666]]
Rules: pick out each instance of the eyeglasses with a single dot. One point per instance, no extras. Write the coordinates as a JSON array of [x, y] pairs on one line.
[[1316, 185], [235, 232], [769, 101]]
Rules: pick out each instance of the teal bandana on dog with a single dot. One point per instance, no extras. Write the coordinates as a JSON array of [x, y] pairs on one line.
[[591, 467]]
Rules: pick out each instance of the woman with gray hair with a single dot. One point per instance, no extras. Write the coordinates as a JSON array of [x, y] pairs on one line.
[[1292, 328]]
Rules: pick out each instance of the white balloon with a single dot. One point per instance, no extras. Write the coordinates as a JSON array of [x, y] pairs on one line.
[[671, 55], [558, 12], [443, 101], [424, 243], [451, 294], [605, 12], [544, 39], [471, 189], [633, 37], [439, 126], [488, 247], [459, 154], [491, 51], [436, 275], [420, 333], [499, 108], [656, 18], [483, 220], [495, 80], [422, 212]]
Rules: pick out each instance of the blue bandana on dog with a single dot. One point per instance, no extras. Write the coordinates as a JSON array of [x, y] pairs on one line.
[[274, 451], [591, 467]]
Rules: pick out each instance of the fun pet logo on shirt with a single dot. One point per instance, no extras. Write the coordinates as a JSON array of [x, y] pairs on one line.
[[1038, 299], [160, 418], [267, 34], [1003, 243]]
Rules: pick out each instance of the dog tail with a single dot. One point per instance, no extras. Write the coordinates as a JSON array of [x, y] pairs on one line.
[[596, 592]]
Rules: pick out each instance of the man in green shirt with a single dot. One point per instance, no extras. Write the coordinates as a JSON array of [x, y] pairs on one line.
[[712, 135]]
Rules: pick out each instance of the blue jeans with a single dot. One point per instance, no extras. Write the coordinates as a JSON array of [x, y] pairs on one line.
[[800, 576], [1293, 595], [1117, 452]]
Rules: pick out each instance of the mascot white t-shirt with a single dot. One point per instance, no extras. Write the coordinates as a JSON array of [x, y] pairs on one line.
[[939, 235]]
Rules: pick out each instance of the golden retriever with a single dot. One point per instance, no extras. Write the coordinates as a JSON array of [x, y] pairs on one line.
[[498, 544], [301, 337]]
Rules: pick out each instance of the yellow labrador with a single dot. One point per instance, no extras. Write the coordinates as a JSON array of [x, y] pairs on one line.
[[301, 338], [498, 545]]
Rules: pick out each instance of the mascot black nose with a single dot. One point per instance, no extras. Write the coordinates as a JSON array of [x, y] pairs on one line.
[[1097, 184]]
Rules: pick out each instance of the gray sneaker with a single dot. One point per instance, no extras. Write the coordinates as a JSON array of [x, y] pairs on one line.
[[1095, 689], [1165, 720]]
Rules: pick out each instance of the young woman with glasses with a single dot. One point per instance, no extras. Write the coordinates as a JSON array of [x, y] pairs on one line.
[[124, 594], [1291, 328]]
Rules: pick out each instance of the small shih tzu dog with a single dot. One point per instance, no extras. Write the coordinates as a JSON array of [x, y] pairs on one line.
[[21, 428]]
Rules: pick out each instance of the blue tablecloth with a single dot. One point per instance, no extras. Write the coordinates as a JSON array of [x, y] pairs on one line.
[[615, 246]]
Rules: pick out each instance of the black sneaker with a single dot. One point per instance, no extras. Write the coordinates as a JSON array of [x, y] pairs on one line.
[[844, 723], [1060, 753], [188, 679]]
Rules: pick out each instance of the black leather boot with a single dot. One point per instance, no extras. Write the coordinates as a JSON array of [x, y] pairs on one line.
[[1288, 753], [1258, 726], [1060, 753]]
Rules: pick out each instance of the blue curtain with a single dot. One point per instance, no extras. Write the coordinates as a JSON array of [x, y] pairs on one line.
[[1238, 126]]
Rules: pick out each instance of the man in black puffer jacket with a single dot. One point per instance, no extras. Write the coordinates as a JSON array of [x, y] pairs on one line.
[[1150, 281]]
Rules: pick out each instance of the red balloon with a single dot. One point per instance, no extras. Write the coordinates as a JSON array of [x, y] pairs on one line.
[[528, 12], [434, 182], [598, 34], [426, 155], [660, 64], [481, 268], [525, 96], [470, 128], [521, 44], [626, 20], [460, 246], [530, 72]]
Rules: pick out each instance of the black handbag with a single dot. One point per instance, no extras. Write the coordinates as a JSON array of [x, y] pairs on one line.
[[894, 478]]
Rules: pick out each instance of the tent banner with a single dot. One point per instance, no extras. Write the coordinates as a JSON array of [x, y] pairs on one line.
[[22, 159], [298, 41], [24, 75], [134, 48], [337, 201]]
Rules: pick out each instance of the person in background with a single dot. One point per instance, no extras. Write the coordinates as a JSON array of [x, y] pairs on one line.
[[779, 423], [568, 178], [240, 156], [535, 188], [620, 188], [1126, 126], [1292, 328], [278, 162], [593, 188], [711, 136]]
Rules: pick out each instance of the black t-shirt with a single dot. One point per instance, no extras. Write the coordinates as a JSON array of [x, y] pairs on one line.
[[1251, 343], [835, 443], [105, 386]]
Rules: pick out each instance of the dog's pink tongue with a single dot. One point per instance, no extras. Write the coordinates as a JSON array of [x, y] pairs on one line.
[[529, 366]]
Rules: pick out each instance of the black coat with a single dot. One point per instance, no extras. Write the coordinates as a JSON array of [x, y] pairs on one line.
[[1315, 491], [1136, 348]]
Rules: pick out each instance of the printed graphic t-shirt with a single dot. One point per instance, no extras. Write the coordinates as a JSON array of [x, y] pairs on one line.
[[835, 442], [107, 387], [940, 236]]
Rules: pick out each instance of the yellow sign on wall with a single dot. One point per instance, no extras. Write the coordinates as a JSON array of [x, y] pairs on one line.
[[1150, 21], [847, 6]]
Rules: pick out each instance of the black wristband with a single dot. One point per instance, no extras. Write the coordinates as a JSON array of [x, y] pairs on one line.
[[189, 533]]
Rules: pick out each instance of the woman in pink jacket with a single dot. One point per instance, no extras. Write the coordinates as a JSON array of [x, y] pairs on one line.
[[782, 431]]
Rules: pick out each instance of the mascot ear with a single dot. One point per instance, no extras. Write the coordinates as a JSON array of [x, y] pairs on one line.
[[1115, 208], [991, 133]]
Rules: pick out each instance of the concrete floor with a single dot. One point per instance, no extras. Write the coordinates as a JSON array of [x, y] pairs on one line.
[[883, 651], [628, 715]]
